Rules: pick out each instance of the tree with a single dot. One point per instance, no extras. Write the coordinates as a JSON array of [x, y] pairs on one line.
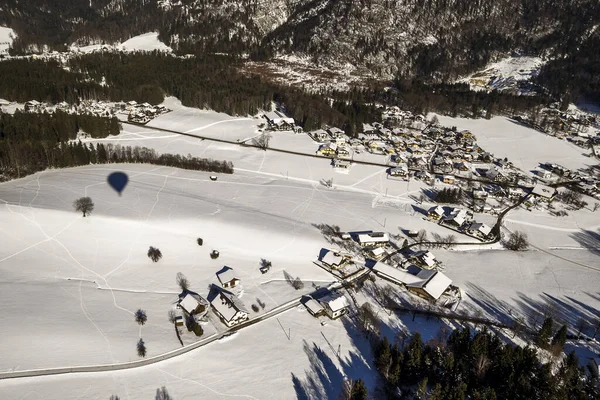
[[353, 390], [154, 254], [200, 241], [517, 241], [141, 348], [544, 333], [368, 320], [571, 197], [596, 207], [140, 316], [422, 389], [183, 282], [262, 141], [297, 283], [114, 397], [172, 315], [162, 394], [559, 340], [421, 236], [84, 204]]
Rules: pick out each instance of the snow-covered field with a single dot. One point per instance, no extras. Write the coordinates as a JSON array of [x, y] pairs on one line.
[[145, 42], [69, 284], [525, 147], [6, 38], [505, 74]]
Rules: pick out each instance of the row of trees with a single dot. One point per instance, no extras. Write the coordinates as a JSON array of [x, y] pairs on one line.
[[479, 366]]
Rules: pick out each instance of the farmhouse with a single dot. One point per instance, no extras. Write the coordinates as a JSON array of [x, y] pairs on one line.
[[377, 252], [227, 278], [457, 217], [328, 149], [335, 305], [399, 171], [278, 120], [429, 284], [319, 135], [192, 304], [227, 306], [543, 192], [496, 174], [424, 258], [373, 239]]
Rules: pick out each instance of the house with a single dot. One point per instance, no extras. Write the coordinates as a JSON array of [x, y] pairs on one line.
[[278, 120], [342, 164], [448, 179], [515, 193], [496, 174], [435, 213], [424, 258], [431, 286], [179, 321], [333, 259], [373, 239], [319, 135], [543, 192], [336, 133], [377, 252], [335, 305], [463, 166], [227, 306], [480, 194], [480, 229], [314, 308], [457, 217], [343, 151], [192, 304], [227, 278], [400, 171], [543, 173], [328, 149]]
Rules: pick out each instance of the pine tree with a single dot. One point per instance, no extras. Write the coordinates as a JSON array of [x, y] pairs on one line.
[[359, 390], [559, 340], [383, 357], [141, 348], [140, 316], [544, 333]]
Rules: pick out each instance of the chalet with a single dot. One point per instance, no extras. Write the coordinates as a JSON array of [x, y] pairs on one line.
[[336, 133], [192, 304], [278, 120], [424, 258], [373, 239], [342, 151], [418, 161], [480, 194], [377, 253], [435, 213], [515, 193], [480, 229], [333, 259], [335, 305], [430, 284], [320, 135], [399, 171], [368, 128], [228, 278], [465, 134], [227, 306], [543, 192], [462, 166], [543, 173], [422, 175], [328, 149], [32, 105], [341, 164], [496, 174], [457, 217]]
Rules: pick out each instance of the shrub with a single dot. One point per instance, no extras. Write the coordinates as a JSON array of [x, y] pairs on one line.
[[154, 254], [255, 308], [297, 283], [517, 241], [200, 241], [214, 254], [141, 348]]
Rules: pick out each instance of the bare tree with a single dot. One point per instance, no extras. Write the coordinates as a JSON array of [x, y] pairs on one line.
[[172, 315], [84, 204], [368, 320], [421, 237], [162, 394], [517, 241], [450, 241], [140, 316], [262, 141], [596, 207], [183, 282], [154, 254], [297, 283]]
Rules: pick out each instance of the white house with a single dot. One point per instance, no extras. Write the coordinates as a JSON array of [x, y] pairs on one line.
[[228, 278], [335, 305], [401, 170], [278, 120], [431, 286], [227, 306], [425, 258], [333, 258], [543, 192], [373, 239]]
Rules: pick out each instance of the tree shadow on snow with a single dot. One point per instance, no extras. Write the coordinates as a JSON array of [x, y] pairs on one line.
[[589, 240]]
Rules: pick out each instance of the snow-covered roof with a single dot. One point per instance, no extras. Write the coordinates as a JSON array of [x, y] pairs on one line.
[[227, 305], [378, 251], [438, 210], [226, 276], [189, 303], [335, 301], [543, 191], [481, 227], [435, 285], [332, 258], [427, 257], [313, 306], [395, 274], [375, 237]]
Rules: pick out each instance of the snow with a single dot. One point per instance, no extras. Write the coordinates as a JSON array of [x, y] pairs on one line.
[[7, 36], [145, 42], [525, 147], [505, 74]]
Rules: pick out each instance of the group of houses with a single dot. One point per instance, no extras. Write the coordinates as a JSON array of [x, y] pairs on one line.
[[332, 304], [278, 121], [460, 220], [142, 113], [221, 299]]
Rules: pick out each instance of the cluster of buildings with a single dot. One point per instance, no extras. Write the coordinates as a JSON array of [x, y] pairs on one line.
[[585, 181], [139, 113]]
